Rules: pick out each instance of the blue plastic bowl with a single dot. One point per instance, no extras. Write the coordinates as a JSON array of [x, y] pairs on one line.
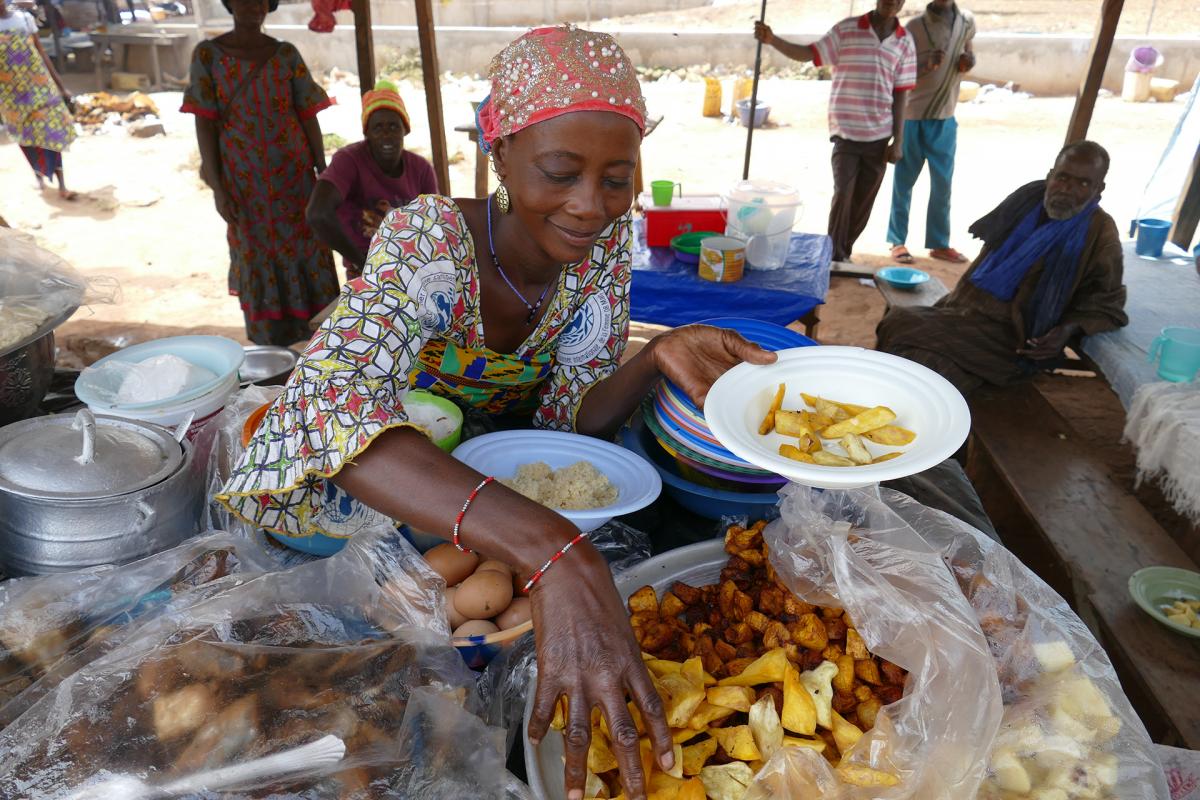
[[701, 500], [903, 277], [318, 544]]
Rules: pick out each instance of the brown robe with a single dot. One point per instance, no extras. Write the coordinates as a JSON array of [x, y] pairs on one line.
[[971, 338]]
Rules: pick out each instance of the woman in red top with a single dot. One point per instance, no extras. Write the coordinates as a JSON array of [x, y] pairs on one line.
[[260, 147], [367, 179]]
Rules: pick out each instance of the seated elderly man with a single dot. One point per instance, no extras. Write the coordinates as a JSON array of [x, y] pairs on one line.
[[1050, 270]]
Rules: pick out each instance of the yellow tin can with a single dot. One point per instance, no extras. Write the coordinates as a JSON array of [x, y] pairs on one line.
[[722, 259]]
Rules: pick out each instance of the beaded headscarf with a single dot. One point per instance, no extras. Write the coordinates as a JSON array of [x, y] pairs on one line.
[[553, 71]]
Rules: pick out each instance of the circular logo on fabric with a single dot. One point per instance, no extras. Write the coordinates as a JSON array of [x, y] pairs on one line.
[[585, 336], [435, 295]]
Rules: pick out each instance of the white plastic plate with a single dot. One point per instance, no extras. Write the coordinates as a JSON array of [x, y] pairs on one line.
[[924, 402], [500, 454]]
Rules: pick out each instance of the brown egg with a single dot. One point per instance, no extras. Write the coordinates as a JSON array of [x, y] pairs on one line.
[[475, 627], [518, 613], [452, 614], [449, 562], [498, 566], [483, 595]]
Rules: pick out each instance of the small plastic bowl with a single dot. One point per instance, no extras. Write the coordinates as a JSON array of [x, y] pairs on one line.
[[419, 397], [1155, 587], [687, 245], [903, 277]]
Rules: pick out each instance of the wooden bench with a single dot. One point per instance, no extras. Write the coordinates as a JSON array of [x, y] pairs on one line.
[[924, 294], [1057, 509]]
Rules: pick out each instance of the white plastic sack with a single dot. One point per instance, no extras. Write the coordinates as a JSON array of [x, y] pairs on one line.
[[845, 549]]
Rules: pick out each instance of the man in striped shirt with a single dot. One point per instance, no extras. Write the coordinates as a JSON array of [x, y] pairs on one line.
[[942, 36], [874, 66]]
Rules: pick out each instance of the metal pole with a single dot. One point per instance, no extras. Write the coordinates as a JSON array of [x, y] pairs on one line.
[[762, 17]]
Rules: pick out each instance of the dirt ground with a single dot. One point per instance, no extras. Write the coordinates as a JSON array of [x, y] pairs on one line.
[[1138, 17]]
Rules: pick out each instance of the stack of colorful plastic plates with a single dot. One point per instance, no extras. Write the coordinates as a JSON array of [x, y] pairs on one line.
[[680, 428]]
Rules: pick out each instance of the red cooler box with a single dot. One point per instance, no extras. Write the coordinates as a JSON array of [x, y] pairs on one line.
[[698, 212]]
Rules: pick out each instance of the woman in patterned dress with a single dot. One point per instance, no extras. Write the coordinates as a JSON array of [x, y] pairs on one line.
[[33, 101], [516, 306], [260, 148]]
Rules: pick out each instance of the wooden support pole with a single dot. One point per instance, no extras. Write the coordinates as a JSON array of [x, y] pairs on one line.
[[433, 93], [1187, 210], [364, 44], [1089, 87]]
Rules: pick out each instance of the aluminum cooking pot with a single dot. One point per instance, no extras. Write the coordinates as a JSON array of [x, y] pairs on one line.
[[77, 490]]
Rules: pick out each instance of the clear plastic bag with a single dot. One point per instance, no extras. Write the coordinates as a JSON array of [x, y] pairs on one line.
[[331, 647], [847, 549], [1068, 729], [38, 290], [51, 625]]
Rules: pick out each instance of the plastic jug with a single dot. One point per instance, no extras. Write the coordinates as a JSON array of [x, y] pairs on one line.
[[712, 97], [1177, 351], [761, 213]]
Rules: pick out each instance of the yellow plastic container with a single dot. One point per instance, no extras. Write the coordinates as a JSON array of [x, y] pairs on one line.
[[742, 89], [712, 97]]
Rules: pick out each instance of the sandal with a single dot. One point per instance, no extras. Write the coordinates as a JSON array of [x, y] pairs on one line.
[[901, 255], [948, 254]]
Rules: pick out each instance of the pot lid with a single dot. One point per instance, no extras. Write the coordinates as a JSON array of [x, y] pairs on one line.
[[79, 456]]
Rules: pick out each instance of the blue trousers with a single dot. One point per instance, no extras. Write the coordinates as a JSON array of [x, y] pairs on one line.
[[932, 140]]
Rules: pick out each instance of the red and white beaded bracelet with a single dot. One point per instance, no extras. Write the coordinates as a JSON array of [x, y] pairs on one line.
[[463, 512], [566, 548]]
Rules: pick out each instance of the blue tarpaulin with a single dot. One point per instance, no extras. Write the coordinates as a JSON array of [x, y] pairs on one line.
[[667, 291]]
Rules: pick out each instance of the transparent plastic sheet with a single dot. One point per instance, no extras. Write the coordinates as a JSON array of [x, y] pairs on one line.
[[1067, 724], [52, 625], [845, 548], [332, 647], [38, 290]]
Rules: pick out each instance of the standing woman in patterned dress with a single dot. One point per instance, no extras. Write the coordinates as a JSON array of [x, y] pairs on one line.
[[515, 307], [260, 148], [34, 104]]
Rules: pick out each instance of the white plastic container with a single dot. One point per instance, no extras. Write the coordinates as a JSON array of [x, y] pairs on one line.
[[762, 213], [171, 413]]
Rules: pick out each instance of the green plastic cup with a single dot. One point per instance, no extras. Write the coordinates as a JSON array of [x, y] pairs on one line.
[[663, 191]]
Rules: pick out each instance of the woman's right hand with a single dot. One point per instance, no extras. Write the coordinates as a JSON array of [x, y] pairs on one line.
[[225, 206], [586, 652]]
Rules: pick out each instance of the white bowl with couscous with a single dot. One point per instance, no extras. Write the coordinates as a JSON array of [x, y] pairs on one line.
[[502, 455]]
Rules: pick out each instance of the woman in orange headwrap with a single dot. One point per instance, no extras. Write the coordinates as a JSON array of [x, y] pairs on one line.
[[367, 179], [513, 306]]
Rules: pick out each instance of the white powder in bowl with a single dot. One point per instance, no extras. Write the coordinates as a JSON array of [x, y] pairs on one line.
[[578, 487]]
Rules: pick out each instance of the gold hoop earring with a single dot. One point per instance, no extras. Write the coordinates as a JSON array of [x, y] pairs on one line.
[[503, 202]]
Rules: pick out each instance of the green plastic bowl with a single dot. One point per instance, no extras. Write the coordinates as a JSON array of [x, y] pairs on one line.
[[687, 245], [419, 397], [1155, 587]]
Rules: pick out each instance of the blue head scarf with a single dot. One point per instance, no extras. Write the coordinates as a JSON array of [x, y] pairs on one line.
[[1058, 243]]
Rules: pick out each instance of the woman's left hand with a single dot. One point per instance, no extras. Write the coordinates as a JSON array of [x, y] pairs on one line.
[[694, 356]]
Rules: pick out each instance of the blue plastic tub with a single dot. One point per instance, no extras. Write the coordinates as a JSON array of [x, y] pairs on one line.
[[1151, 237]]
